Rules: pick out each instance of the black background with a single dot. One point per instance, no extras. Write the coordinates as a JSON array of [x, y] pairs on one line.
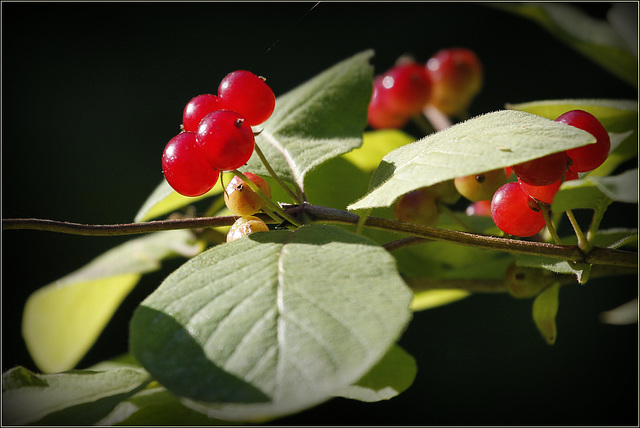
[[93, 91]]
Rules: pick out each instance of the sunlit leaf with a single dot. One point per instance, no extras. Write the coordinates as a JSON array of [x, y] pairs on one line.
[[62, 320], [272, 323], [74, 398], [318, 120], [619, 117], [491, 141]]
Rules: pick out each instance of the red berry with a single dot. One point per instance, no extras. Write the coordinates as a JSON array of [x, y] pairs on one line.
[[247, 94], [541, 193], [184, 167], [241, 199], [479, 208], [456, 78], [225, 139], [380, 115], [478, 187], [197, 108], [514, 212], [407, 88], [542, 171], [418, 206], [587, 158]]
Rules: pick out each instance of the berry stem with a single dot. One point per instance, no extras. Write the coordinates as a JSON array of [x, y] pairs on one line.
[[598, 214], [436, 118], [271, 206], [296, 198], [582, 241], [544, 208]]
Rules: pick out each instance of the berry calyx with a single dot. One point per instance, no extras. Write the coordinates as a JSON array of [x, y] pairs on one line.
[[197, 108], [185, 169], [244, 226], [587, 158], [418, 206], [515, 212], [225, 139], [543, 171], [479, 187], [241, 200], [247, 94], [456, 77]]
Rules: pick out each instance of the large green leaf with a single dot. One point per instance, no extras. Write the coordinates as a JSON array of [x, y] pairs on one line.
[[619, 117], [74, 398], [320, 119], [272, 323], [62, 320], [597, 192], [594, 38], [494, 140]]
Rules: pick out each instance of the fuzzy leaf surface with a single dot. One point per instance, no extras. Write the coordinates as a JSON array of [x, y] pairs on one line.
[[62, 320], [316, 121], [619, 117], [272, 323], [490, 141], [74, 398]]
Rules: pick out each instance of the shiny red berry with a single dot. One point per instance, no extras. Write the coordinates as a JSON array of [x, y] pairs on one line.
[[407, 87], [225, 139], [184, 167], [247, 94], [380, 114], [456, 77], [197, 108], [587, 158], [515, 212], [543, 171]]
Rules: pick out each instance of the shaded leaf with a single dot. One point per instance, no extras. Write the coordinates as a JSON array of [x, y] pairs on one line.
[[72, 398], [491, 141], [272, 323], [62, 320], [545, 309], [428, 299], [393, 374], [594, 38]]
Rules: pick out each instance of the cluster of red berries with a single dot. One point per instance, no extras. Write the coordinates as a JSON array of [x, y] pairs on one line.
[[515, 206], [217, 134], [449, 81]]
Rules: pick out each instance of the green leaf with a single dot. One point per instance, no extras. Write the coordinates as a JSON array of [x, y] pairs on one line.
[[597, 192], [272, 323], [62, 320], [429, 299], [494, 140], [393, 374], [155, 406], [594, 38], [619, 117], [545, 309], [320, 119], [73, 398]]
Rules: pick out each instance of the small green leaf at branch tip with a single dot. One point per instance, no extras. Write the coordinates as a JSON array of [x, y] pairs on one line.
[[490, 141], [545, 309]]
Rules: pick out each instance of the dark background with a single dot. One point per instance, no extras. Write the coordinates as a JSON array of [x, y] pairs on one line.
[[93, 91]]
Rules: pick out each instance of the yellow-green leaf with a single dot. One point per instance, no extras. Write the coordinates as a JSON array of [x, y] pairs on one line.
[[545, 309]]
